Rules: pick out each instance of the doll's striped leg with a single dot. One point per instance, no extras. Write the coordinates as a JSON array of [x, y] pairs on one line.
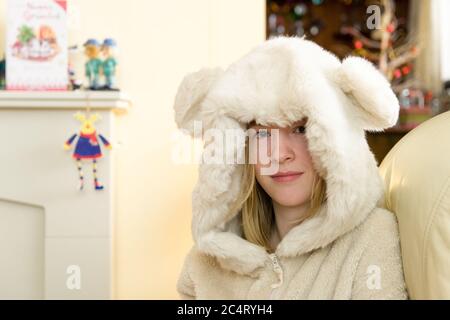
[[97, 184], [80, 173]]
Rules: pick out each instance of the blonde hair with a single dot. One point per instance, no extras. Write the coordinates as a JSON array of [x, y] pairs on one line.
[[258, 217]]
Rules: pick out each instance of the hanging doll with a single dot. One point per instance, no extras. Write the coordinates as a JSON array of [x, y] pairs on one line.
[[87, 146]]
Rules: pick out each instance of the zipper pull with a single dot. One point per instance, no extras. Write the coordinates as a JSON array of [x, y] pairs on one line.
[[278, 270]]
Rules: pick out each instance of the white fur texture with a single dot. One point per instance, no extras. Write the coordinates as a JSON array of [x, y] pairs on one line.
[[281, 81], [190, 94], [371, 91]]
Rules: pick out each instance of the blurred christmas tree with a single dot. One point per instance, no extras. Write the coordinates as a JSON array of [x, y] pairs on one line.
[[346, 27], [388, 45]]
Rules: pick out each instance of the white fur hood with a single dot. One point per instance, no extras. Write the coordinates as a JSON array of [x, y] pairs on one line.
[[278, 82]]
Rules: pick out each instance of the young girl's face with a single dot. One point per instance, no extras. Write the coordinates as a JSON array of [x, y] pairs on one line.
[[289, 181]]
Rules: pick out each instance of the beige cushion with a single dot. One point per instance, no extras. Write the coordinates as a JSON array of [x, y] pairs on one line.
[[417, 179]]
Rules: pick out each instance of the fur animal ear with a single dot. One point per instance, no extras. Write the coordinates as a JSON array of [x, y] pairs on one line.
[[370, 92], [190, 95]]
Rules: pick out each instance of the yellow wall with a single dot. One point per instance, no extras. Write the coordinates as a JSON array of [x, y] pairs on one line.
[[159, 42]]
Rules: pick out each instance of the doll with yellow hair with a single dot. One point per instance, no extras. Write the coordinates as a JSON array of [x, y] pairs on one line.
[[87, 146]]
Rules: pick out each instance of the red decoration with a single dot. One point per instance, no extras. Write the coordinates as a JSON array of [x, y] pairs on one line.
[[390, 28], [406, 70], [358, 44]]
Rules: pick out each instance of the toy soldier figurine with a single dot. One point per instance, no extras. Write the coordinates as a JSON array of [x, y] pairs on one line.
[[109, 63], [93, 65]]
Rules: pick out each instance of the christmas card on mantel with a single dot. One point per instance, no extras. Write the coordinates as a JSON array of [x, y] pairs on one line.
[[36, 45]]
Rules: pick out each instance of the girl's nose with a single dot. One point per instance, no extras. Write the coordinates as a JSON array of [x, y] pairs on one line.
[[285, 150]]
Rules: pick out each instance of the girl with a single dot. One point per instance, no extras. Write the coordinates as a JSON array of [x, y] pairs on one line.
[[309, 222]]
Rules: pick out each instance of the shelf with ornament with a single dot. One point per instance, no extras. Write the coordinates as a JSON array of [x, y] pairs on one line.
[[114, 100]]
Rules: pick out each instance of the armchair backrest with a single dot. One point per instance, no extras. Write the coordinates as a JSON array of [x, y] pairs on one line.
[[416, 173]]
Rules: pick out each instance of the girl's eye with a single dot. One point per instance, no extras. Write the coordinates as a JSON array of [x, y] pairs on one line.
[[300, 129], [262, 133]]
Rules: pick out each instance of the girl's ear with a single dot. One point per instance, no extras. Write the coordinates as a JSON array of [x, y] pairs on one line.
[[370, 92], [190, 95]]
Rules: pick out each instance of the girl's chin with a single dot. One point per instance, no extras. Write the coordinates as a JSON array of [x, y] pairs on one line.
[[290, 202]]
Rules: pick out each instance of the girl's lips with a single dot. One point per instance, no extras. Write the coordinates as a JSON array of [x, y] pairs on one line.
[[287, 177]]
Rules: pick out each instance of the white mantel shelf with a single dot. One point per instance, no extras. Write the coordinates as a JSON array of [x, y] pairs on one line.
[[109, 100]]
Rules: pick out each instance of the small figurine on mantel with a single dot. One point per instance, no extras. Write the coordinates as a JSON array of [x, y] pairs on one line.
[[74, 82], [109, 64], [94, 64], [2, 74]]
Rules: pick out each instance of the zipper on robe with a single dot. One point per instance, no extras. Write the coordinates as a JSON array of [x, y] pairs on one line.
[[279, 272]]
